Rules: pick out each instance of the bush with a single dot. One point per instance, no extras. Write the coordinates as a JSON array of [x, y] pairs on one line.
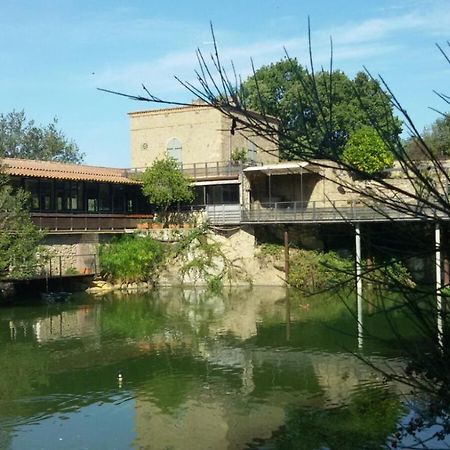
[[392, 274], [311, 270], [131, 258], [366, 152]]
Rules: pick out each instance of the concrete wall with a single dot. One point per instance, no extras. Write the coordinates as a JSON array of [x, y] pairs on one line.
[[204, 133]]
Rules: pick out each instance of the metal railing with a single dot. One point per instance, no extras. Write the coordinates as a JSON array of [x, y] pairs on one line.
[[202, 170], [224, 214], [67, 265], [332, 211]]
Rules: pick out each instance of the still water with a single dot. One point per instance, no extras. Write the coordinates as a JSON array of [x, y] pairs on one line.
[[184, 369]]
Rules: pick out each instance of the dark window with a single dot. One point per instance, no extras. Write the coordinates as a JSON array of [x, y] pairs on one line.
[[118, 198], [200, 194], [32, 186], [46, 193], [92, 197], [222, 193], [104, 198]]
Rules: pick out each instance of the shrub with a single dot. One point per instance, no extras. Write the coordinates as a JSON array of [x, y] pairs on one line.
[[311, 270], [131, 258]]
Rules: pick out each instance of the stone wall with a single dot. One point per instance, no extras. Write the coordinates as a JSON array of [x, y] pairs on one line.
[[64, 253]]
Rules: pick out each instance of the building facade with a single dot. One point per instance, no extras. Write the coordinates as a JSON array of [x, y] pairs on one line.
[[197, 134]]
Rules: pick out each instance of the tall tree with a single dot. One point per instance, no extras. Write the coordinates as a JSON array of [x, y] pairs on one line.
[[320, 112], [22, 138], [19, 238]]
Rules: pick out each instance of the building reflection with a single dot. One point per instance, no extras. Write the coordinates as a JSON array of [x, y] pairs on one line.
[[74, 323]]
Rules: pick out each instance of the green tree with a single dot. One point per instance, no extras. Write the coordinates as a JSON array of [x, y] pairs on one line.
[[19, 238], [437, 137], [367, 152], [165, 185], [318, 114], [22, 138]]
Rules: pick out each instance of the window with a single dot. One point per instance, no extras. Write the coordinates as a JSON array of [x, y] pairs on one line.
[[118, 198], [252, 153], [32, 186], [222, 194], [46, 195], [92, 197], [104, 198], [174, 148]]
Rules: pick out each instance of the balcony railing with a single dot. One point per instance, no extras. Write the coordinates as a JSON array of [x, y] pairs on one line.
[[203, 170], [332, 211], [87, 222], [315, 212]]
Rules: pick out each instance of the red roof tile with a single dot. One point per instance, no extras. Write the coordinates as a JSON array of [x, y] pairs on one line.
[[63, 171]]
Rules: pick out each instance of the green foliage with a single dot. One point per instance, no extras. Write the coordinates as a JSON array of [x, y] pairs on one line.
[[311, 270], [215, 284], [273, 250], [366, 152], [164, 184], [203, 259], [19, 238], [239, 156], [437, 137], [393, 274], [131, 258], [71, 271], [311, 125], [20, 138]]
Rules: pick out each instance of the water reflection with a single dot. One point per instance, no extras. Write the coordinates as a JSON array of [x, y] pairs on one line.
[[248, 368]]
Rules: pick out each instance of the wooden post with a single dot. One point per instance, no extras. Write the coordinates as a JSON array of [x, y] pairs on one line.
[[359, 284], [286, 252]]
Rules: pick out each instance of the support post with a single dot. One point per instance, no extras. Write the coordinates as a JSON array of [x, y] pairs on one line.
[[437, 241], [270, 189], [286, 253], [359, 283], [446, 271]]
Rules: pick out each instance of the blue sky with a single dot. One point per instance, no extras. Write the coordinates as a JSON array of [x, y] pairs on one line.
[[54, 54]]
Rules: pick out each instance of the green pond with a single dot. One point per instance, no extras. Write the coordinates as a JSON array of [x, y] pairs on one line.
[[255, 368]]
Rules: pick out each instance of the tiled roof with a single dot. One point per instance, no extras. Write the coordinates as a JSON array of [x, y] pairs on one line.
[[63, 171]]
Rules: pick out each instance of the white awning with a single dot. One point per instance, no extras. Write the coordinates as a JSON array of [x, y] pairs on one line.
[[284, 168], [213, 182]]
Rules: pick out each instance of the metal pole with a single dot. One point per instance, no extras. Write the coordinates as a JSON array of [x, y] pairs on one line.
[[359, 284], [286, 253], [437, 239]]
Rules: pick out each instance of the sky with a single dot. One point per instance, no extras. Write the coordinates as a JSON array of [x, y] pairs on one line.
[[55, 54]]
